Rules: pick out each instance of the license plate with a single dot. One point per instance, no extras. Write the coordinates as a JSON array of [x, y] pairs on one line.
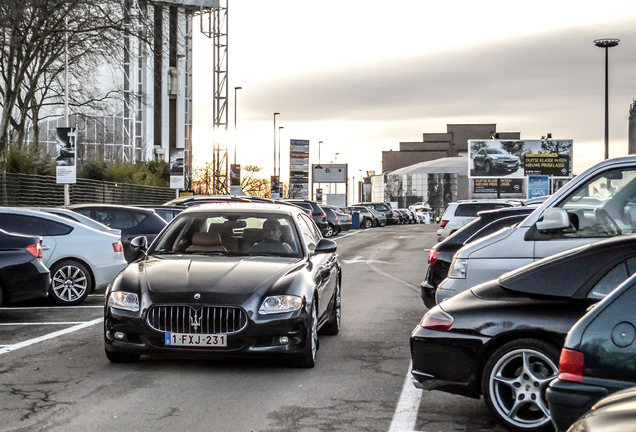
[[196, 340]]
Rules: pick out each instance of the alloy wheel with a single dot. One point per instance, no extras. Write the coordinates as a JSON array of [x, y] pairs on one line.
[[516, 388]]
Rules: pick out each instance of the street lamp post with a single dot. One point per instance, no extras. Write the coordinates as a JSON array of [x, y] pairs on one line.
[[235, 137], [606, 43], [279, 128], [275, 114]]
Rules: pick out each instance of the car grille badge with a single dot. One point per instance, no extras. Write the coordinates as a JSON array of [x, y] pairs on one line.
[[197, 296], [195, 321]]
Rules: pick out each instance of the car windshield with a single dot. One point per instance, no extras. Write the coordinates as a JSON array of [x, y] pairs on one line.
[[604, 207], [230, 233]]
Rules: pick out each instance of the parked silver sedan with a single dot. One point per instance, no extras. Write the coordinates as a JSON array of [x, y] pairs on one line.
[[79, 257]]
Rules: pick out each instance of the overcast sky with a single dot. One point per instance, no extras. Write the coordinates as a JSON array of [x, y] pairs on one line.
[[363, 76]]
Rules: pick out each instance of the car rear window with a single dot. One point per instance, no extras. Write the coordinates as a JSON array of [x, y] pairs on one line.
[[471, 209]]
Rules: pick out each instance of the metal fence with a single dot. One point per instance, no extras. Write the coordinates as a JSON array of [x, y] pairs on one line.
[[23, 190]]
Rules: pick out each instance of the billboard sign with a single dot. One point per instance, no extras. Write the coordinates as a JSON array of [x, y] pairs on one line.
[[65, 161], [177, 179], [329, 173], [235, 179], [507, 158], [538, 186], [486, 185], [298, 168]]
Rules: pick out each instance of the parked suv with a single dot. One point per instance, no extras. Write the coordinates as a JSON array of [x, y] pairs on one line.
[[317, 214], [597, 204], [385, 208], [459, 213]]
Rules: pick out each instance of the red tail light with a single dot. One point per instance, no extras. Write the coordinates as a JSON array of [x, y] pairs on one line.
[[571, 365], [432, 257], [443, 223], [118, 247], [437, 319], [348, 218], [35, 249], [324, 216]]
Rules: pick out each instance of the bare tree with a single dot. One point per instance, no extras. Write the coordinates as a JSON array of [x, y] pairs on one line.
[[35, 35]]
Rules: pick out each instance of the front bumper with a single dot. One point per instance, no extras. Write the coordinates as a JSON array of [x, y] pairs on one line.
[[569, 400], [261, 338]]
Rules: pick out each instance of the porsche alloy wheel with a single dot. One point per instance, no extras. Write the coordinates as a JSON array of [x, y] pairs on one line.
[[308, 358], [70, 283], [514, 383]]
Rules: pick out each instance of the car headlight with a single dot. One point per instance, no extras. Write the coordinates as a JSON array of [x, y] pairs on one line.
[[458, 269], [124, 300], [280, 304]]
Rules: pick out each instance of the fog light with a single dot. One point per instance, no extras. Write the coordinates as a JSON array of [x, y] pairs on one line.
[[283, 340], [120, 335]]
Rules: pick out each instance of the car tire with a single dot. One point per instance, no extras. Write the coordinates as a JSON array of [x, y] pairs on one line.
[[332, 326], [70, 283], [307, 359], [514, 382], [119, 357], [368, 223], [488, 167], [329, 231]]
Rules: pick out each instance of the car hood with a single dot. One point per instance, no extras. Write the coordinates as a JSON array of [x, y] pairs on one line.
[[230, 280]]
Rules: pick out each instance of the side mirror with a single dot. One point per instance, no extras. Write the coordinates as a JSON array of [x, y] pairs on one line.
[[553, 219], [139, 244], [326, 246]]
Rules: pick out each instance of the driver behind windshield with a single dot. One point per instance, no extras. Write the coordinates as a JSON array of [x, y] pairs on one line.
[[272, 234]]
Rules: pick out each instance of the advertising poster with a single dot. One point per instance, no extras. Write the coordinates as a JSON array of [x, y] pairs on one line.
[[508, 158], [235, 180], [299, 168], [275, 187], [177, 179], [65, 162]]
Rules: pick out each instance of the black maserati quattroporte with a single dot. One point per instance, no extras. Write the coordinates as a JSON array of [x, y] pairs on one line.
[[224, 280]]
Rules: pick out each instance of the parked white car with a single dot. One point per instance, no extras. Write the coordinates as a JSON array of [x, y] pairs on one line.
[[459, 213], [79, 257]]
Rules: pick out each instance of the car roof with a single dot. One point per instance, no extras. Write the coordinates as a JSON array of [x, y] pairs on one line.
[[247, 207], [110, 206]]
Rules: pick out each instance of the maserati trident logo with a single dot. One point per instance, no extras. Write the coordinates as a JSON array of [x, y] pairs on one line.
[[195, 321]]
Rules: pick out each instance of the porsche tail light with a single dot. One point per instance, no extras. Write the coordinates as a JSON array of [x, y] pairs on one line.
[[443, 223], [118, 247], [35, 249], [432, 257], [571, 365], [437, 319]]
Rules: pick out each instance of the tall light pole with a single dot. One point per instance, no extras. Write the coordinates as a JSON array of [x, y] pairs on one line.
[[235, 137], [279, 128], [275, 114], [606, 43], [319, 143]]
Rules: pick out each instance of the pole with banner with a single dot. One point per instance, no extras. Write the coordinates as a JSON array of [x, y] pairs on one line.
[[177, 179], [235, 179], [65, 161]]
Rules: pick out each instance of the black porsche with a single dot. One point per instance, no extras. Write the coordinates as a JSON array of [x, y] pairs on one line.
[[502, 339], [224, 280]]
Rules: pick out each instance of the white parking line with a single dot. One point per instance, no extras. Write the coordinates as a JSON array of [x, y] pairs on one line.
[[10, 348], [41, 323], [345, 235], [405, 414]]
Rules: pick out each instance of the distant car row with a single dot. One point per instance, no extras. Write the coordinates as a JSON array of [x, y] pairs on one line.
[[546, 341]]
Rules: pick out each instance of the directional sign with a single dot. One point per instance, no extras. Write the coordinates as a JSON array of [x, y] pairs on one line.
[[329, 173]]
